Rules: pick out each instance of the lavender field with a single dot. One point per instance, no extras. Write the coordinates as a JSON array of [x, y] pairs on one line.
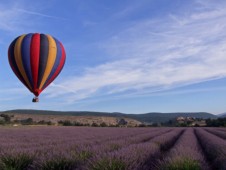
[[68, 148]]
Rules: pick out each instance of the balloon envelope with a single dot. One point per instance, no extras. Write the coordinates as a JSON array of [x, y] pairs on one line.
[[36, 59]]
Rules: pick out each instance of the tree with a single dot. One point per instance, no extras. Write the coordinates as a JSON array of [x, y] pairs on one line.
[[78, 124], [6, 117], [220, 122], [94, 124], [2, 122], [103, 124], [67, 123], [141, 125], [122, 122], [28, 121]]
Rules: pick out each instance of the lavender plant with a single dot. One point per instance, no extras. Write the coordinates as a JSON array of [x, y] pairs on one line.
[[61, 148], [219, 133], [185, 155], [214, 148]]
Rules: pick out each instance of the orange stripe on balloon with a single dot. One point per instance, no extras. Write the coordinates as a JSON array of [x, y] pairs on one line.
[[50, 61], [19, 62]]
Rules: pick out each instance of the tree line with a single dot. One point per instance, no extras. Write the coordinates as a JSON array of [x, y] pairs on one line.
[[220, 122], [7, 119]]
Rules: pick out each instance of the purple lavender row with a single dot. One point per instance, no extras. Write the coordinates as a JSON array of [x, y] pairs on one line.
[[30, 143], [62, 141], [105, 146], [125, 142], [214, 147], [85, 153], [68, 132], [222, 129], [219, 133], [50, 147], [186, 154], [135, 156], [55, 136]]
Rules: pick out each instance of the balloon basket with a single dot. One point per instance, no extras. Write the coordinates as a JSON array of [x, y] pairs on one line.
[[35, 100]]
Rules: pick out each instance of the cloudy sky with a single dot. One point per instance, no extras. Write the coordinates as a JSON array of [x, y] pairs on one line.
[[123, 56]]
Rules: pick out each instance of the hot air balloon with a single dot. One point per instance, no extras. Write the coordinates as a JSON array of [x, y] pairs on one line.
[[36, 59]]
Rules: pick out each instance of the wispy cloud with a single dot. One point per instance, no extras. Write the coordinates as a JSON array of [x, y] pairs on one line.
[[12, 19], [39, 14], [155, 55], [15, 17], [11, 91], [9, 19]]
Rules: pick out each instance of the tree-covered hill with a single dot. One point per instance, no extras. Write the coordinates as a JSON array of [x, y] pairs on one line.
[[144, 117]]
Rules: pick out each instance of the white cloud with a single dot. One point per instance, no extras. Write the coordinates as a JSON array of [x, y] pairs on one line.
[[16, 17], [9, 19], [13, 91], [39, 14], [155, 54], [13, 20]]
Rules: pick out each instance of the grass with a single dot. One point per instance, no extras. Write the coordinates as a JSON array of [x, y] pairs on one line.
[[109, 164], [83, 155], [182, 164], [58, 164], [114, 146], [17, 162]]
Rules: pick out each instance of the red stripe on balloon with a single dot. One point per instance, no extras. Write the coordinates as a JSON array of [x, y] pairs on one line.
[[59, 68], [34, 54]]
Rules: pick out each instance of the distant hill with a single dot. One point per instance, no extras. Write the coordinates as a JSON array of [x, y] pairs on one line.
[[164, 117], [66, 113], [85, 120], [222, 115], [145, 118]]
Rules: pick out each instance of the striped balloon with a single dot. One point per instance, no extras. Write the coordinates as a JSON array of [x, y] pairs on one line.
[[36, 59]]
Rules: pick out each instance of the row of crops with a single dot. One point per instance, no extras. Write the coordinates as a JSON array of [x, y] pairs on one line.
[[68, 148]]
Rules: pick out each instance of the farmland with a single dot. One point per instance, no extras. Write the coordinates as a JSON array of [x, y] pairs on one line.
[[68, 148]]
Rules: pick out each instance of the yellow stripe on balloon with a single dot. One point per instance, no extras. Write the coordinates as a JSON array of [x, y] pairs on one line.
[[19, 62], [50, 61]]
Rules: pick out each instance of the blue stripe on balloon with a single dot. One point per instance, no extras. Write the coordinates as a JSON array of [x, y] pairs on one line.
[[11, 55], [25, 53], [57, 61], [13, 62], [43, 56]]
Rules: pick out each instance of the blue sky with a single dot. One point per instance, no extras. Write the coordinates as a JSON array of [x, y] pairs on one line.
[[123, 56]]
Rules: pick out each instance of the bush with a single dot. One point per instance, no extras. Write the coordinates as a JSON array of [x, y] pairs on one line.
[[67, 123], [28, 121], [49, 123], [2, 122], [94, 124], [20, 161], [41, 122], [141, 125], [103, 124], [122, 122], [6, 117], [78, 124]]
